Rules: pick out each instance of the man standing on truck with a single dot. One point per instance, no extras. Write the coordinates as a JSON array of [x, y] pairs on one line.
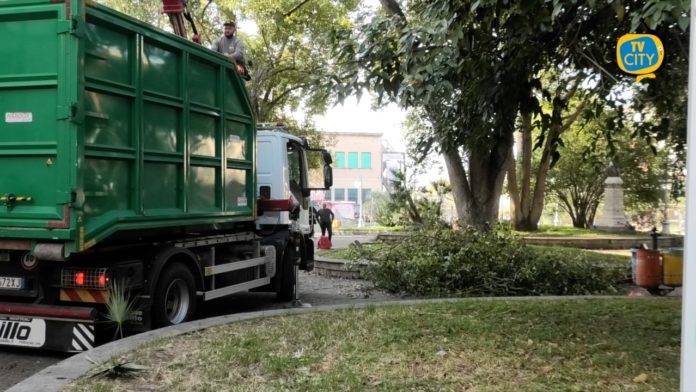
[[231, 46], [326, 217]]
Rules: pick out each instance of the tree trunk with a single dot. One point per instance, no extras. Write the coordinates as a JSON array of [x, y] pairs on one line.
[[477, 191], [529, 205]]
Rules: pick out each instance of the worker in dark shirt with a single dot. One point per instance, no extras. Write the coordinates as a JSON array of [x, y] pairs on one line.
[[326, 217]]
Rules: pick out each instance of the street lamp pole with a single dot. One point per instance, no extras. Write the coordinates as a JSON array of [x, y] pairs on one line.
[[358, 184]]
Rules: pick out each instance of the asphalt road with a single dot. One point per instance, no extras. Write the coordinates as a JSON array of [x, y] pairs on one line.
[[18, 364]]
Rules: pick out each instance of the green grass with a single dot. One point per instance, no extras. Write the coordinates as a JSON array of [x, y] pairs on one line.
[[344, 253], [588, 255], [562, 231], [541, 345]]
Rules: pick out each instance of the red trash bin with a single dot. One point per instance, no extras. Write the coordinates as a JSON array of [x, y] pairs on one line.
[[648, 269]]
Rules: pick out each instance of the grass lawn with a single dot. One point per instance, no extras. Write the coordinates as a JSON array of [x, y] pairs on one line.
[[542, 345], [562, 231]]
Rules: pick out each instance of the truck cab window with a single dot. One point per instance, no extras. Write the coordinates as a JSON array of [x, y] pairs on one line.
[[295, 171]]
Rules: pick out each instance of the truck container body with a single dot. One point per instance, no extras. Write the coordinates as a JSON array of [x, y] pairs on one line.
[[111, 126], [128, 163]]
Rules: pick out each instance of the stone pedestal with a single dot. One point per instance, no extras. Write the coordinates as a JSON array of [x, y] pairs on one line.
[[613, 216]]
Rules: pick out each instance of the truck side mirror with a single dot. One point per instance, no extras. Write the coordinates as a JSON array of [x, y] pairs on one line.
[[328, 176], [327, 158]]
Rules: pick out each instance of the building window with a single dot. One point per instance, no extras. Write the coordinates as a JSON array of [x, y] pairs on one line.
[[352, 160], [339, 194], [353, 195], [340, 160], [366, 195], [366, 160], [327, 195]]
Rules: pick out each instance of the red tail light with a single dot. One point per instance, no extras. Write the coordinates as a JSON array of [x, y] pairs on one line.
[[85, 278], [103, 280]]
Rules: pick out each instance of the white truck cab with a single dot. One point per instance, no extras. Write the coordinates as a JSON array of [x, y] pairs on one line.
[[285, 179]]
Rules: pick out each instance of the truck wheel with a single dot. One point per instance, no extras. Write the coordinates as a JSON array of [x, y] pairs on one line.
[[288, 280], [175, 296]]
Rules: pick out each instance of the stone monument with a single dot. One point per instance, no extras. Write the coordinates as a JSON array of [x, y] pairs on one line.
[[613, 217]]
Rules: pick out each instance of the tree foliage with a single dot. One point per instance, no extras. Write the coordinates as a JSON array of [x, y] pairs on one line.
[[471, 68], [577, 182], [288, 54]]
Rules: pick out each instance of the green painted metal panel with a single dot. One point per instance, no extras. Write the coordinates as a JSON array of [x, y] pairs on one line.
[[161, 69], [161, 186], [32, 146], [108, 119], [202, 86], [203, 188], [112, 125], [237, 141], [202, 135], [161, 128], [108, 53]]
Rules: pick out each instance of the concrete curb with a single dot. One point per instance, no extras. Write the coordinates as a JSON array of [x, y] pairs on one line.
[[577, 242], [338, 268], [55, 377]]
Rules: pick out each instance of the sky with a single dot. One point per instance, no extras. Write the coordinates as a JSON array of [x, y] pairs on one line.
[[359, 116]]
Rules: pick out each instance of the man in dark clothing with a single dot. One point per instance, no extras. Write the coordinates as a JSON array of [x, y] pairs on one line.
[[326, 217]]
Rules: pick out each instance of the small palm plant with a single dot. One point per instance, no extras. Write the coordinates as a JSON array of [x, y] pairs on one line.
[[119, 307]]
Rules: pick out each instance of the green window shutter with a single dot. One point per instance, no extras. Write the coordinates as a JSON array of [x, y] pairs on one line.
[[340, 160], [339, 194], [352, 160], [366, 160]]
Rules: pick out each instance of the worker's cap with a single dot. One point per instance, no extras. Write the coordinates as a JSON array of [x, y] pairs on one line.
[[230, 24]]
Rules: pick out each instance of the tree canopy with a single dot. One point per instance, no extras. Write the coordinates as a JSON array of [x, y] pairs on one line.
[[471, 68], [288, 53]]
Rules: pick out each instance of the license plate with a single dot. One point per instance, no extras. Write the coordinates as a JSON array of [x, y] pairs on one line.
[[23, 333], [8, 283]]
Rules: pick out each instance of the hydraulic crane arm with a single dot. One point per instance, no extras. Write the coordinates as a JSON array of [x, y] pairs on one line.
[[178, 15]]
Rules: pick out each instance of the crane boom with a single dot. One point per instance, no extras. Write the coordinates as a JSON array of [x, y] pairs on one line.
[[178, 15]]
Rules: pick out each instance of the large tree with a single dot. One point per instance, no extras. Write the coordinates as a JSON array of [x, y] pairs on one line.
[[473, 68]]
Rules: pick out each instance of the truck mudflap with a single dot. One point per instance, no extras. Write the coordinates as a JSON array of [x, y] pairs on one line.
[[58, 328]]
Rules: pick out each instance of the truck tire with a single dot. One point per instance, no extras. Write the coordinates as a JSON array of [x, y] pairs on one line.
[[174, 301], [288, 280]]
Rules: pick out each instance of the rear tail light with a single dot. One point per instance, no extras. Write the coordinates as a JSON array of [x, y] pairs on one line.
[[103, 280], [85, 278]]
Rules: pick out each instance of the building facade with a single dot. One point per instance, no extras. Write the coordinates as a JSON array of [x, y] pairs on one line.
[[357, 169]]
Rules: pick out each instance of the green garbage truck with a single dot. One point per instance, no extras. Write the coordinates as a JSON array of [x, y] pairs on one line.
[[128, 159]]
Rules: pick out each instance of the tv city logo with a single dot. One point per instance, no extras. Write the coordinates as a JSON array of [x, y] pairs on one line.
[[640, 54]]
